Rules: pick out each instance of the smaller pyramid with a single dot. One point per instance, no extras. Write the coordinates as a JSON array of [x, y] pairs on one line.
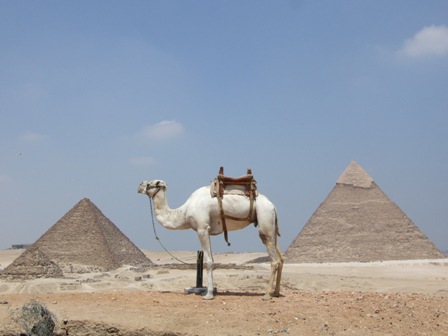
[[84, 239], [32, 263], [357, 222]]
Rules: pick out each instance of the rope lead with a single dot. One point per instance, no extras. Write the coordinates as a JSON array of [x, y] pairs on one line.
[[157, 237]]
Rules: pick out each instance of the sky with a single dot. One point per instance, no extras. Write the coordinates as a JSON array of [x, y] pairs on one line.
[[97, 96]]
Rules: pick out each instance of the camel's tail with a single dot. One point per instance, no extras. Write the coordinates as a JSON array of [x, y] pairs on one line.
[[277, 230]]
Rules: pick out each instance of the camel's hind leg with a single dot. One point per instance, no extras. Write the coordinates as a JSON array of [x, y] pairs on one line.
[[279, 272], [269, 239], [276, 257]]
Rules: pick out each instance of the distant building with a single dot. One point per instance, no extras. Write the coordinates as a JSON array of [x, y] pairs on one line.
[[20, 246]]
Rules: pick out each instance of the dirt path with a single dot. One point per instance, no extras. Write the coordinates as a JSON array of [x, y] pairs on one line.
[[383, 298], [242, 313]]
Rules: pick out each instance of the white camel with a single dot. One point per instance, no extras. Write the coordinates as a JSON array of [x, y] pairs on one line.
[[201, 212]]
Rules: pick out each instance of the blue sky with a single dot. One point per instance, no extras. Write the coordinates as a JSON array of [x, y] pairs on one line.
[[96, 96]]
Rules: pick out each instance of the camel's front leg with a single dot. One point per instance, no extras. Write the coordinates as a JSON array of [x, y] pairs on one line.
[[204, 238]]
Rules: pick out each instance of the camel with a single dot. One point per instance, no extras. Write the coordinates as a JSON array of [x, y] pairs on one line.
[[201, 212]]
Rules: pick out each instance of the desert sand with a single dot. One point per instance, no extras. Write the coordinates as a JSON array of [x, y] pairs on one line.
[[376, 298]]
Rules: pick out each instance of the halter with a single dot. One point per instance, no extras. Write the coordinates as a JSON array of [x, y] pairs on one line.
[[148, 187]]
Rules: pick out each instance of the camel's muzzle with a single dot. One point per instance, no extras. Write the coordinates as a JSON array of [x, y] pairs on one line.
[[142, 188]]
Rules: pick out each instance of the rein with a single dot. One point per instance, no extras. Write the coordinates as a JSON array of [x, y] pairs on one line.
[[155, 233]]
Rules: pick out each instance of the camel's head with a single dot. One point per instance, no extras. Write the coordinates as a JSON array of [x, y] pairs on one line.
[[151, 188]]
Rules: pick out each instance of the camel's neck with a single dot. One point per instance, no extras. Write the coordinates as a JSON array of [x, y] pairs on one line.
[[172, 219]]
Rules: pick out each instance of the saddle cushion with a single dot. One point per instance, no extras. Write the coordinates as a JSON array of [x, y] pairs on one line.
[[228, 190], [218, 188]]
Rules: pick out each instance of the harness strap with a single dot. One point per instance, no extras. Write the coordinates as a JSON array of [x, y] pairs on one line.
[[220, 184], [224, 216]]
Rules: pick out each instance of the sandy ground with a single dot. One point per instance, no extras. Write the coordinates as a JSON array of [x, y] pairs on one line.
[[381, 298]]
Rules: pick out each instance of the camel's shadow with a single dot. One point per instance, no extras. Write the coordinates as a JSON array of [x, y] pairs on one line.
[[203, 290], [242, 294], [235, 293]]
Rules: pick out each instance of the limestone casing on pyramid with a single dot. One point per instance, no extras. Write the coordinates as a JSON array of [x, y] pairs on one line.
[[84, 238], [358, 222]]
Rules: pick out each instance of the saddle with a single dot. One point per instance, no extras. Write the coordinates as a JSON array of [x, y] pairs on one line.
[[243, 186]]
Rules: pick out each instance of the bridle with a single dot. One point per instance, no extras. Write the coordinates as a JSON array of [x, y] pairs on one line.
[[158, 187]]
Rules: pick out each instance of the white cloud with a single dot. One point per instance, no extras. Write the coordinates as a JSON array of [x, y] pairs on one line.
[[163, 130], [31, 137], [430, 41], [143, 161]]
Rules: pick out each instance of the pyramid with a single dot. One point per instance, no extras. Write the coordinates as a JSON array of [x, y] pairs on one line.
[[32, 263], [82, 240], [358, 222]]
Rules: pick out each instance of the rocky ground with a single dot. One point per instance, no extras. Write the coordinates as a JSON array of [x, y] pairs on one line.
[[243, 313], [389, 298]]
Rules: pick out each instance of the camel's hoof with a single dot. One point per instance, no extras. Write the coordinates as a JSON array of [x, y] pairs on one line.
[[208, 297], [266, 297]]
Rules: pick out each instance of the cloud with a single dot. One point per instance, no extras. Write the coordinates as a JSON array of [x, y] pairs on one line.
[[32, 137], [142, 161], [430, 41], [164, 130]]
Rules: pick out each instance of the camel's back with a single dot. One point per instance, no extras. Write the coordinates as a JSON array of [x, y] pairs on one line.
[[205, 195]]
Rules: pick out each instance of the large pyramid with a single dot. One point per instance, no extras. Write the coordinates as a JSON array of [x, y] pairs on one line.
[[82, 240], [358, 222]]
